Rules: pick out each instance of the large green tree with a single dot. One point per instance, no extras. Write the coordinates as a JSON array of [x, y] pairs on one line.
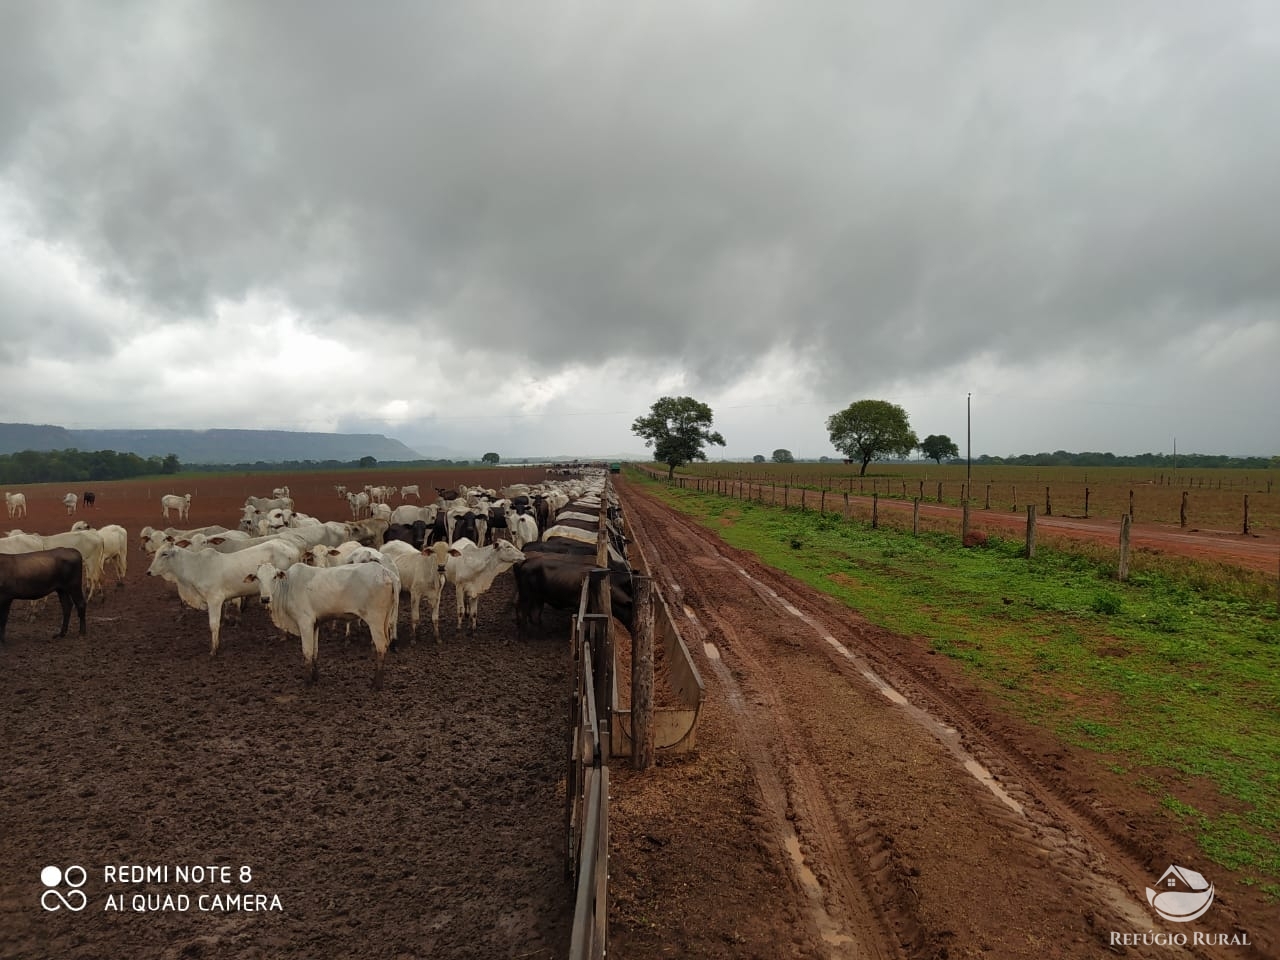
[[783, 455], [492, 459], [938, 445], [867, 429], [677, 428]]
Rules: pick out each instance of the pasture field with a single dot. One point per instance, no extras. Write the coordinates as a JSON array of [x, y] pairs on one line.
[[422, 820], [1169, 681], [1214, 497]]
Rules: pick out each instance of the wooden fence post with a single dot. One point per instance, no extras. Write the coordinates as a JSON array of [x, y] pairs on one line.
[[846, 506], [1015, 498], [822, 501], [920, 490], [987, 505], [875, 510], [1182, 511], [1130, 504], [1245, 531], [939, 491], [1031, 530], [1048, 504], [964, 522], [1122, 572], [642, 749], [1086, 503], [786, 495], [915, 516]]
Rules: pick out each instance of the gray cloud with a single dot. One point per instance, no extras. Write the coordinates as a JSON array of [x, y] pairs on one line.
[[888, 191]]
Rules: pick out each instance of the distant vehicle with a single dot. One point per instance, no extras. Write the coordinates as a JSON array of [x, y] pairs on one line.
[[615, 468]]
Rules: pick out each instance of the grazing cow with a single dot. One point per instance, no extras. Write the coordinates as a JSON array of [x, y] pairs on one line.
[[302, 597], [206, 578], [555, 580], [16, 504], [472, 570], [90, 498], [171, 501], [31, 576], [70, 501], [406, 491], [422, 574]]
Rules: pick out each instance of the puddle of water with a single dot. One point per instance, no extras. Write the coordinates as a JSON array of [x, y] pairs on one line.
[[984, 777]]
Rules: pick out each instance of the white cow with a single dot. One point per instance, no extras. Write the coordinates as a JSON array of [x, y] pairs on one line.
[[422, 574], [115, 547], [473, 569], [359, 503], [302, 597], [411, 488], [92, 548], [171, 501], [16, 503], [206, 579], [280, 492], [70, 501], [524, 529]]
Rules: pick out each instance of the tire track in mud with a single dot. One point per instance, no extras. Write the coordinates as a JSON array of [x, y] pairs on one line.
[[866, 879]]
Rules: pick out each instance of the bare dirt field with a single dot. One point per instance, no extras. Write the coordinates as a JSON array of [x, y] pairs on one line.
[[423, 821], [854, 796]]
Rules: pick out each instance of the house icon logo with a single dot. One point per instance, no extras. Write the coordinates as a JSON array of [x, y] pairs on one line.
[[1181, 895]]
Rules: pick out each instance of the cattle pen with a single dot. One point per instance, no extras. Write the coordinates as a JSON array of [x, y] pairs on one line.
[[423, 820]]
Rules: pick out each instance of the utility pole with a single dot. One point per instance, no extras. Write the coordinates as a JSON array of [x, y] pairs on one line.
[[968, 441]]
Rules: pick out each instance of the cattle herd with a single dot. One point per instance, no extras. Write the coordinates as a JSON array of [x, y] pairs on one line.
[[307, 571]]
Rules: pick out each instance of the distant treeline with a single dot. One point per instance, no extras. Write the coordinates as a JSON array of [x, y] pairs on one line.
[[1061, 458], [300, 466], [80, 466]]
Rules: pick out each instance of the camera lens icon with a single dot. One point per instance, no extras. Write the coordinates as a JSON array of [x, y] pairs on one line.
[[53, 898]]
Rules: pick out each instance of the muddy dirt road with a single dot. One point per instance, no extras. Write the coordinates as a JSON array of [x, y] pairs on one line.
[[854, 796]]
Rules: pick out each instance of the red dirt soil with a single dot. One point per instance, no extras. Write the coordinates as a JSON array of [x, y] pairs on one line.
[[423, 821]]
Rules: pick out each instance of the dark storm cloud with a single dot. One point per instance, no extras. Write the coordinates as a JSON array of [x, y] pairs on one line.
[[890, 189]]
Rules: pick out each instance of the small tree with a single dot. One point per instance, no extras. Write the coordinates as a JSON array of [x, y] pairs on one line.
[[491, 458], [758, 458], [867, 429], [677, 428], [938, 445], [783, 456], [368, 461]]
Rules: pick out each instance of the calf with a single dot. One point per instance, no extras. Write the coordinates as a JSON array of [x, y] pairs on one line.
[[302, 597], [30, 576], [473, 569], [422, 574], [90, 498]]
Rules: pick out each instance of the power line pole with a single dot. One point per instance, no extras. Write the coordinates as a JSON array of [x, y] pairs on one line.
[[968, 441]]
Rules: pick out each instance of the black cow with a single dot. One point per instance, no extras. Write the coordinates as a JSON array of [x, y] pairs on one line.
[[90, 498], [551, 579], [30, 576], [439, 529], [465, 526]]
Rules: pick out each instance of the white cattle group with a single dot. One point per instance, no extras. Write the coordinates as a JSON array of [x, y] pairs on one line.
[[307, 571]]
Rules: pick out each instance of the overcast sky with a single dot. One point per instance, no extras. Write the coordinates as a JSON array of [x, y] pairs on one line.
[[513, 226]]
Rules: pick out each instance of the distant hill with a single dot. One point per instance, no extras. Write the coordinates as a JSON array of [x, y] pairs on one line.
[[208, 446]]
